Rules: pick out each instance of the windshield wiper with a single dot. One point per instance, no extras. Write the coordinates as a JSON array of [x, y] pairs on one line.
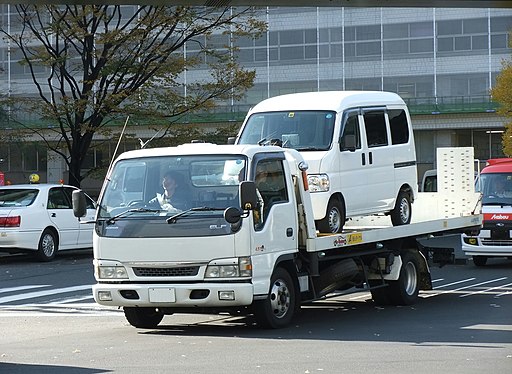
[[130, 211], [175, 217]]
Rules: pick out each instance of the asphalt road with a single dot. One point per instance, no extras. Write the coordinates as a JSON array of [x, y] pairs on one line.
[[50, 324]]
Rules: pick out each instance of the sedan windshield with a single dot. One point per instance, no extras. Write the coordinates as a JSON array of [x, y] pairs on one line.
[[17, 197], [301, 130]]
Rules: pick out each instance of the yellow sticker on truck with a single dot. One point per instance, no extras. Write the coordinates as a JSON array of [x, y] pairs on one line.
[[355, 238]]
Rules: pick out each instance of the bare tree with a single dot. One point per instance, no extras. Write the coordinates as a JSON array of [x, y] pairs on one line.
[[94, 64]]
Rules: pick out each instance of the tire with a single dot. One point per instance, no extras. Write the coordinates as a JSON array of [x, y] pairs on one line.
[[404, 291], [48, 246], [143, 318], [278, 309], [480, 260], [402, 212], [334, 217], [335, 277]]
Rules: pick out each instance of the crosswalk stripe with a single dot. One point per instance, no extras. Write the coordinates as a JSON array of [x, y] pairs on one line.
[[22, 288], [31, 295]]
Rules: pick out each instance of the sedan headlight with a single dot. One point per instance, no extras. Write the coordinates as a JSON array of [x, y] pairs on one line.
[[112, 272], [229, 268], [318, 182]]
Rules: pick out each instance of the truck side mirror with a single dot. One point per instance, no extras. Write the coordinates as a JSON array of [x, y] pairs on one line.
[[79, 203], [248, 195], [231, 140], [348, 143], [232, 215]]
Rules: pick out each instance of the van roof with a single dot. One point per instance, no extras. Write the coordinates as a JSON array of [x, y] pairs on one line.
[[327, 100]]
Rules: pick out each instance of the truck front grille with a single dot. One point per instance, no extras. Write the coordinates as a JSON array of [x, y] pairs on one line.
[[186, 271], [497, 243]]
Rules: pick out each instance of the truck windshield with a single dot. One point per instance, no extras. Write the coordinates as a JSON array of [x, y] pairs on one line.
[[301, 130], [496, 188], [140, 195]]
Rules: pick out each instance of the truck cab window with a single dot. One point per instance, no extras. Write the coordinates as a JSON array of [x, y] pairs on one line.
[[271, 185]]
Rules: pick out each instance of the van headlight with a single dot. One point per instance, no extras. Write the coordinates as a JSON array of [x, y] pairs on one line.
[[111, 272], [229, 268], [318, 182]]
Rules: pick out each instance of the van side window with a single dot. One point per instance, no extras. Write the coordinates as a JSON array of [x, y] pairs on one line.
[[351, 137], [375, 127], [271, 184], [398, 126]]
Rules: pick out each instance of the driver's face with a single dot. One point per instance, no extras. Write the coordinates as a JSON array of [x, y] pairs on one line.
[[169, 183]]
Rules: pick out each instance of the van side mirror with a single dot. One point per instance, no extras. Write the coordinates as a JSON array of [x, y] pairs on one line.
[[79, 203], [248, 195], [231, 140], [348, 143]]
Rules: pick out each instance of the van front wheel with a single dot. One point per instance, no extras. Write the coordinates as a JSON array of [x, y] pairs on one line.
[[401, 214], [334, 217]]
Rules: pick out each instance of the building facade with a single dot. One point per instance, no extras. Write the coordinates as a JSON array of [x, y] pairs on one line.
[[442, 62]]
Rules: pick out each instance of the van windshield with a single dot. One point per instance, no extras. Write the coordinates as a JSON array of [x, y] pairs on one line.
[[301, 130], [496, 188]]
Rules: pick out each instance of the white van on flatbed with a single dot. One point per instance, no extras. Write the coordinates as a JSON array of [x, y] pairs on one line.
[[359, 147]]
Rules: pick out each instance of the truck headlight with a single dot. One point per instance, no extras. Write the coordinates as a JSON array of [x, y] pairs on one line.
[[111, 272], [318, 182], [242, 268]]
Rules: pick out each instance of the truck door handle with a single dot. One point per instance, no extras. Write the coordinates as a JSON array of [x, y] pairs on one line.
[[289, 232], [370, 158], [363, 159], [54, 215]]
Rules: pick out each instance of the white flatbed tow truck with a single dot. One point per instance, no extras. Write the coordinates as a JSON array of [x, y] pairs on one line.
[[244, 245]]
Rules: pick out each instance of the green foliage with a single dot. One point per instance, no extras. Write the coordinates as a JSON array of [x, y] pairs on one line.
[[101, 63], [502, 93]]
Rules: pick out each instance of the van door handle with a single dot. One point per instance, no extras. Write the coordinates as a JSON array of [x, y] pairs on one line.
[[289, 232], [370, 158], [54, 215], [363, 159]]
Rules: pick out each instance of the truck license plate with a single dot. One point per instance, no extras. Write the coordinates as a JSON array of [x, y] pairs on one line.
[[162, 295]]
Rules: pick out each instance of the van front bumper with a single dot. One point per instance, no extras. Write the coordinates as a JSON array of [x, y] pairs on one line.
[[206, 295]]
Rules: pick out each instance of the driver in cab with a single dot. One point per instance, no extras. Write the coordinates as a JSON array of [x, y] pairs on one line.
[[173, 197]]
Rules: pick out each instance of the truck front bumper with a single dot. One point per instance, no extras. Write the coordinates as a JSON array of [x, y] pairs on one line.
[[482, 246], [206, 295]]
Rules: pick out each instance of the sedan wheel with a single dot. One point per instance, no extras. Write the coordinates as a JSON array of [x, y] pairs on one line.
[[48, 246]]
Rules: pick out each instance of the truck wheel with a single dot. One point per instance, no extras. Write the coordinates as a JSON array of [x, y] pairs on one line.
[[48, 246], [144, 318], [278, 308], [334, 217], [404, 291], [401, 214], [480, 260]]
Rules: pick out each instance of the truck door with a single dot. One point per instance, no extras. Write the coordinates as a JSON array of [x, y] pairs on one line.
[[275, 224]]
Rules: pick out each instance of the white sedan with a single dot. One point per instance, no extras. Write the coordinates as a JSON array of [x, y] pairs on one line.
[[39, 218]]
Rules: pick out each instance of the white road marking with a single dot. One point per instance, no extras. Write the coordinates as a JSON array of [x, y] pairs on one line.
[[463, 288], [22, 288], [486, 290], [31, 295]]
